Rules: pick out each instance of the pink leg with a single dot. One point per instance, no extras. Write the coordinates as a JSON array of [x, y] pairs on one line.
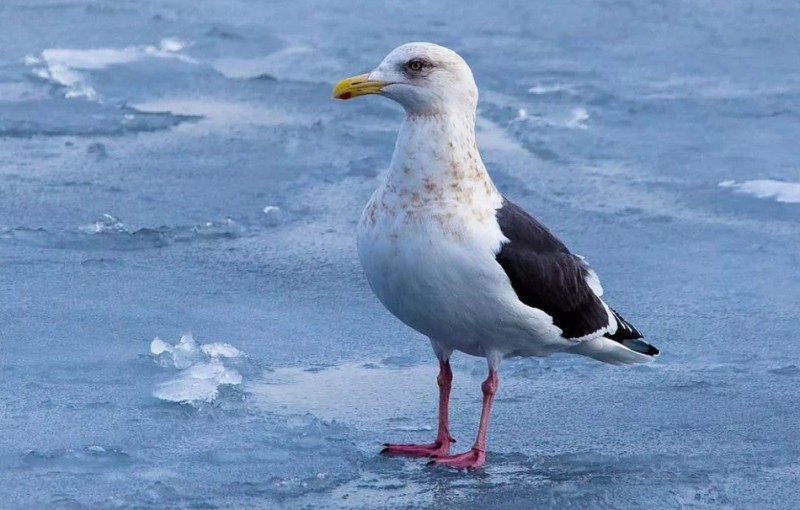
[[476, 457], [441, 446]]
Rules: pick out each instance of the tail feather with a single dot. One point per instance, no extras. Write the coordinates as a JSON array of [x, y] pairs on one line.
[[610, 351]]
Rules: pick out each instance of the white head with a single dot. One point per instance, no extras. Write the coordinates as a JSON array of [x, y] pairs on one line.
[[425, 78]]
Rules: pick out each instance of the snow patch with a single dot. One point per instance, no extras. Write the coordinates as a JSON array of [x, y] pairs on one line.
[[781, 191], [202, 369], [65, 66]]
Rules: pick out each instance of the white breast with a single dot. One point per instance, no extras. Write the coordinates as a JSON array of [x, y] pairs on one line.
[[433, 266]]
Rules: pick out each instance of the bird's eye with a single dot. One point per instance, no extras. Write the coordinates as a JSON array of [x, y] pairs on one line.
[[415, 65]]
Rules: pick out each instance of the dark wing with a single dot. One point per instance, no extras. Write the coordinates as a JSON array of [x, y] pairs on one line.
[[547, 276]]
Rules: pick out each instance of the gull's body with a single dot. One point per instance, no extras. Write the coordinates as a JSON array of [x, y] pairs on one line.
[[449, 256], [427, 242]]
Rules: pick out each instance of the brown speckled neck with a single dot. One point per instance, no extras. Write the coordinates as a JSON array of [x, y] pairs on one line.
[[437, 174]]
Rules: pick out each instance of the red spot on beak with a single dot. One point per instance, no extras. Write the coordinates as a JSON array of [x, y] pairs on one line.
[[346, 95]]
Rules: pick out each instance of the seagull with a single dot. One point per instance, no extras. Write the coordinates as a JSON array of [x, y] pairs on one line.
[[451, 257]]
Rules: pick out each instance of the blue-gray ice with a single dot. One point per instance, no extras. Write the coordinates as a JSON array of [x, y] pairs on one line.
[[171, 167]]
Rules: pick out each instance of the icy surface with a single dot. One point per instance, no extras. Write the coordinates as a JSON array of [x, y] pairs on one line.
[[171, 166]]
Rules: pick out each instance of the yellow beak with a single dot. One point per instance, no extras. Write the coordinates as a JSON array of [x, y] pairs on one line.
[[357, 86]]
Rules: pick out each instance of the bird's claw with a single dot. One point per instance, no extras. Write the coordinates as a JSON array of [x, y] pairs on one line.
[[435, 449], [473, 459]]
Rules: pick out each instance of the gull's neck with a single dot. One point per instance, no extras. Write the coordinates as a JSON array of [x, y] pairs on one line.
[[437, 153]]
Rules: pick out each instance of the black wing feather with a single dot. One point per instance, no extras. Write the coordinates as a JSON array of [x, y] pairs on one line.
[[630, 337], [546, 275]]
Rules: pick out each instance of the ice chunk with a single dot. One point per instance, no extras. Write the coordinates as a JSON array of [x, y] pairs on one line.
[[272, 215], [64, 66], [173, 44], [227, 228], [781, 191], [577, 118], [202, 369], [107, 223], [198, 383], [157, 346], [221, 350], [182, 355]]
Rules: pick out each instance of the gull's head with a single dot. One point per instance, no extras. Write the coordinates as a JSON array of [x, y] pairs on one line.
[[425, 78]]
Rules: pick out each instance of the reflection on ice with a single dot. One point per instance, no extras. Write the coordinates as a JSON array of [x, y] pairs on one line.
[[355, 393]]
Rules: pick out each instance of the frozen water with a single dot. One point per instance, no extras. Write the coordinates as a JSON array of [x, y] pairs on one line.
[[176, 166]]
